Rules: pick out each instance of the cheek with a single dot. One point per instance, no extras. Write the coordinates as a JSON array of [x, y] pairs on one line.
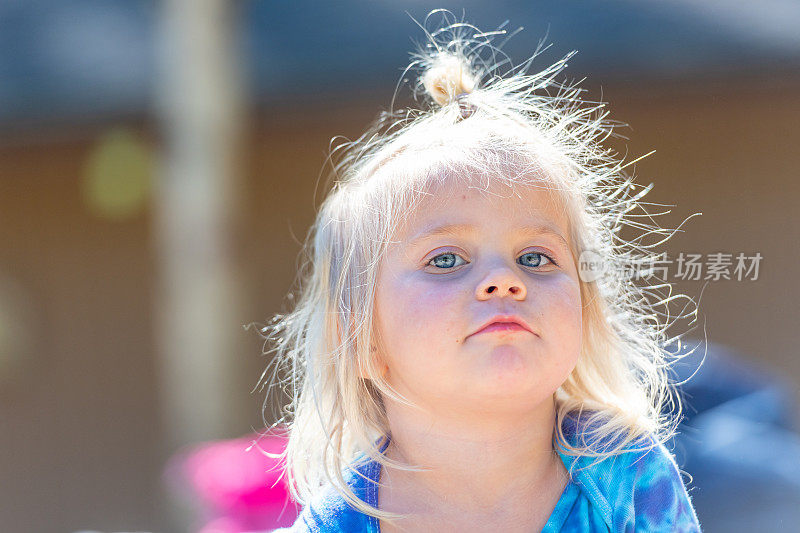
[[417, 316], [411, 305], [562, 315]]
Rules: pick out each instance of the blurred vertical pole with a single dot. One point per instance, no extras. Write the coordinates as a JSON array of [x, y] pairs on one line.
[[198, 204]]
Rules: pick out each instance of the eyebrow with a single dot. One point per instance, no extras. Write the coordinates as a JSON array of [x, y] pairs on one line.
[[457, 229]]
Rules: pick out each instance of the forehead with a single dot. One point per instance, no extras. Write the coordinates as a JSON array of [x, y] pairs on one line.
[[453, 202]]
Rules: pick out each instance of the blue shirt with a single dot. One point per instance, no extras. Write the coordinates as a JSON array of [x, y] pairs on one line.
[[633, 491]]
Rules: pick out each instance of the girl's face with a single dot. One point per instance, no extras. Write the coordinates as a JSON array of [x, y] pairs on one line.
[[464, 258]]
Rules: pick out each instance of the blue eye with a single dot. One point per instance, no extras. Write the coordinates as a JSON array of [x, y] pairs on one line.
[[450, 260], [446, 260], [535, 258]]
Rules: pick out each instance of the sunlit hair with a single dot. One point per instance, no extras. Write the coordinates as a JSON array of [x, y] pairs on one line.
[[480, 128]]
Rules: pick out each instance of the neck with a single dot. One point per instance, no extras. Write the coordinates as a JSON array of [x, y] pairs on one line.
[[477, 466]]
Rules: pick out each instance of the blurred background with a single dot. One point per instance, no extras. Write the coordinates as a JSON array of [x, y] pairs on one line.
[[159, 166]]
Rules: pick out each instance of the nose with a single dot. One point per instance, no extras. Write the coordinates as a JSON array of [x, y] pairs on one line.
[[501, 282]]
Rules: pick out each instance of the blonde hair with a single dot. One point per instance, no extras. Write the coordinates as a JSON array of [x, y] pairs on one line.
[[478, 126]]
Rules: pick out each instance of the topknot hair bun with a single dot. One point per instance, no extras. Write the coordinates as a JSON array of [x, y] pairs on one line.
[[447, 77]]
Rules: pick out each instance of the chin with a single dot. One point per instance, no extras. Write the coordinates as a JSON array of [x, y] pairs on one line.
[[509, 362], [511, 367]]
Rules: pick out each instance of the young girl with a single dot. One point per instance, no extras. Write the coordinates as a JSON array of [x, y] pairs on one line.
[[453, 365]]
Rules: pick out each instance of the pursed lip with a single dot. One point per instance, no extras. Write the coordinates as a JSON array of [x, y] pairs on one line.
[[505, 319]]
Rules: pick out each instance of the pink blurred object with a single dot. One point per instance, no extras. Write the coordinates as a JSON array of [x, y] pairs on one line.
[[239, 487]]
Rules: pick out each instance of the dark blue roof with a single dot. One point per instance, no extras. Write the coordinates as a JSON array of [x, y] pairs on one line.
[[89, 58]]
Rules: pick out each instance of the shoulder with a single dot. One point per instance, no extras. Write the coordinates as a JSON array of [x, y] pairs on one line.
[[660, 501], [328, 511], [639, 489]]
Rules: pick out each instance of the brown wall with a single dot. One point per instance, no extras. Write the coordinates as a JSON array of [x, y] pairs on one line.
[[730, 154], [82, 445]]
